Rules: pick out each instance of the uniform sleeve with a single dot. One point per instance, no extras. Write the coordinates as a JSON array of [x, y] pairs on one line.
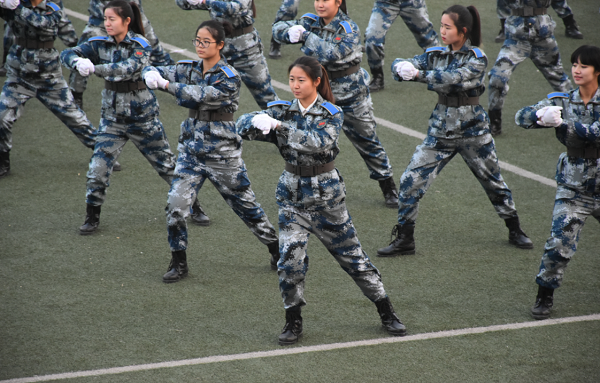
[[280, 30], [588, 132], [420, 62], [47, 23], [229, 8], [66, 31], [342, 45], [183, 4], [85, 50], [168, 72], [124, 70], [526, 117], [248, 132], [317, 138], [213, 96], [468, 76]]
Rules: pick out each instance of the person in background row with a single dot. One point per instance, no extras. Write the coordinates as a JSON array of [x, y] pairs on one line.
[[529, 34], [415, 16], [243, 47], [287, 11], [311, 193], [334, 39], [575, 117], [209, 146], [95, 27], [33, 70], [458, 125], [560, 6]]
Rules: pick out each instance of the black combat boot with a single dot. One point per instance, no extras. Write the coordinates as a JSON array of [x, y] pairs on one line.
[[178, 268], [274, 250], [199, 217], [501, 35], [293, 327], [92, 220], [543, 303], [78, 96], [390, 193], [516, 236], [571, 28], [495, 122], [389, 319], [403, 244], [4, 164], [275, 51], [376, 83]]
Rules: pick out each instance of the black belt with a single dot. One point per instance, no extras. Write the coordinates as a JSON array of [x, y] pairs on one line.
[[309, 171], [241, 31], [529, 11], [210, 115], [34, 44], [588, 153], [345, 72], [124, 86], [455, 102]]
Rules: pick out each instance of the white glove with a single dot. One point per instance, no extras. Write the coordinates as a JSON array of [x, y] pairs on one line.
[[549, 116], [195, 2], [398, 68], [295, 33], [264, 122], [408, 71], [10, 4], [161, 82], [84, 66], [151, 79]]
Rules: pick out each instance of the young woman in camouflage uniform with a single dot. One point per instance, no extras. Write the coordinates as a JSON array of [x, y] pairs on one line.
[[458, 125], [311, 193], [334, 39], [209, 147], [575, 117]]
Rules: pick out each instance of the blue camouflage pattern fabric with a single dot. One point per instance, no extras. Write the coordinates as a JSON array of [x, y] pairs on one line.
[[37, 72], [578, 179], [287, 11], [95, 27], [209, 150], [312, 205], [245, 52], [415, 16], [460, 130], [527, 37], [337, 47], [124, 115], [561, 8]]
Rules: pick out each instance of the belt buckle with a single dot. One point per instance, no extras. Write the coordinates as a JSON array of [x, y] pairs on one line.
[[305, 171], [452, 102], [528, 11]]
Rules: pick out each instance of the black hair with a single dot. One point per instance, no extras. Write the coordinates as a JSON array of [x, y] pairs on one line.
[[343, 7], [218, 29], [315, 70], [587, 55], [124, 10], [253, 9], [466, 18]]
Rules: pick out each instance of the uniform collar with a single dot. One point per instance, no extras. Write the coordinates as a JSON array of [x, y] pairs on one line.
[[314, 110], [127, 40], [215, 68], [463, 50], [576, 97]]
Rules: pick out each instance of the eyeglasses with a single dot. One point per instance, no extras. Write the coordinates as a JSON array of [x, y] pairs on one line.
[[202, 43]]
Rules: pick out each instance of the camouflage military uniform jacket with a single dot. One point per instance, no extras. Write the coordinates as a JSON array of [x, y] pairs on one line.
[[336, 46], [303, 140], [116, 63], [580, 129], [217, 90], [453, 74]]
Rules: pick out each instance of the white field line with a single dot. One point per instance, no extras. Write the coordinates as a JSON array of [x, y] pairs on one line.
[[303, 350], [388, 124]]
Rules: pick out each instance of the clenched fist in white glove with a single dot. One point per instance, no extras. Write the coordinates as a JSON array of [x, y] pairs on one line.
[[9, 4], [151, 79], [84, 66], [408, 71], [295, 33], [549, 116], [195, 2], [264, 122]]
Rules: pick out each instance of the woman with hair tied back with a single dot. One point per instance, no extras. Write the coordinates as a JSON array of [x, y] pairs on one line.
[[575, 117], [458, 125], [311, 193], [209, 146]]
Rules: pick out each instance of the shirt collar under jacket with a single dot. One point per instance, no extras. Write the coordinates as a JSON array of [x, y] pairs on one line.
[[464, 49], [295, 107], [303, 110], [576, 97], [215, 68]]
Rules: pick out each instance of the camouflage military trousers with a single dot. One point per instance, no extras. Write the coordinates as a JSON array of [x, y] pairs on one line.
[[360, 128], [571, 209], [287, 11], [479, 153], [150, 139], [230, 178], [336, 231], [544, 54], [415, 16], [58, 99]]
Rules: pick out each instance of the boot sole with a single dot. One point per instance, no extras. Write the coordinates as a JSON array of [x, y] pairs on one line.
[[87, 232], [540, 317], [528, 247], [174, 280], [407, 252], [395, 333], [288, 343]]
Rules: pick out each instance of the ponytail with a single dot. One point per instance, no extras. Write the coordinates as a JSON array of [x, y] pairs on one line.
[[136, 24], [466, 18], [315, 70], [476, 28], [324, 87], [253, 10], [343, 7], [124, 10]]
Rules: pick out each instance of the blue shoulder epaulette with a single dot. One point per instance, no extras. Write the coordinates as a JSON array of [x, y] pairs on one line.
[[99, 38], [228, 72], [347, 27], [478, 53], [186, 61], [278, 102], [141, 41], [54, 7], [435, 49], [311, 16], [558, 94], [330, 108]]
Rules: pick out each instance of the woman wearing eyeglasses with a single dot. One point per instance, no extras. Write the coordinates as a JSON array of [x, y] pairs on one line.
[[209, 146]]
